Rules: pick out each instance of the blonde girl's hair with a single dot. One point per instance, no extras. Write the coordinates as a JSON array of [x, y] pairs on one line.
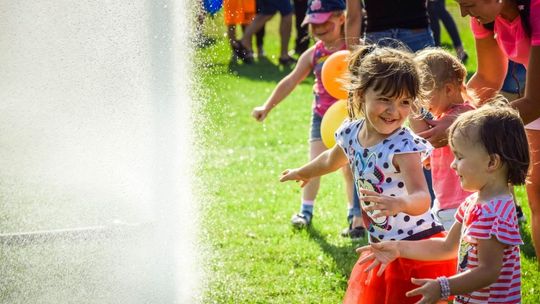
[[500, 130], [391, 71], [439, 68]]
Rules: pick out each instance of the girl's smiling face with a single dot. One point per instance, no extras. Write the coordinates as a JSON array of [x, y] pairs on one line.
[[386, 114], [329, 31], [484, 11]]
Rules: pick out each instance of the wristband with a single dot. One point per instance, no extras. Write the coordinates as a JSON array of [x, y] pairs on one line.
[[445, 287]]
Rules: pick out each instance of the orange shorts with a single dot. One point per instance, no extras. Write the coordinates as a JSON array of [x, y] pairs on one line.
[[238, 11], [395, 281]]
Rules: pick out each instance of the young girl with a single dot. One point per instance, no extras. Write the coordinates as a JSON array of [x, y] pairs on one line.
[[445, 83], [490, 148], [326, 18], [386, 160]]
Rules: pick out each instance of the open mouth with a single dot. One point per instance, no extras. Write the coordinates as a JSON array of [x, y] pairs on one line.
[[388, 120]]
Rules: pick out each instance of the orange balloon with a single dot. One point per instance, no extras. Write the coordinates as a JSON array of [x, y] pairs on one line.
[[332, 119], [333, 73]]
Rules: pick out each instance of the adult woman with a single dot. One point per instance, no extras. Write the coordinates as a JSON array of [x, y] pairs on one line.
[[515, 36]]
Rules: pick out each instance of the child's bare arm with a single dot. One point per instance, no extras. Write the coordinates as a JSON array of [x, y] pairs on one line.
[[286, 85], [490, 259], [328, 161], [433, 249]]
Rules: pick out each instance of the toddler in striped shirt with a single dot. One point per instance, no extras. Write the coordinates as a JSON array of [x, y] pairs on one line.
[[490, 149]]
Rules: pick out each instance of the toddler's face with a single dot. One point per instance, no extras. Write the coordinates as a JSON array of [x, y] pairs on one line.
[[471, 161]]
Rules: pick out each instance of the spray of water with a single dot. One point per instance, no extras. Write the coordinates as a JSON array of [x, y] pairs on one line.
[[96, 203]]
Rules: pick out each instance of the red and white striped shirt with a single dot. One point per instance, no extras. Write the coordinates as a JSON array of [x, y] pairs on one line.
[[496, 218]]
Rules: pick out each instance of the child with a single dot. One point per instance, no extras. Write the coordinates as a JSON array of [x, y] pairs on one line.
[[445, 83], [385, 158], [241, 12], [490, 148], [326, 18]]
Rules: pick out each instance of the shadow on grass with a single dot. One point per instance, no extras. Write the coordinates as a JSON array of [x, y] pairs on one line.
[[344, 257], [527, 249], [262, 69]]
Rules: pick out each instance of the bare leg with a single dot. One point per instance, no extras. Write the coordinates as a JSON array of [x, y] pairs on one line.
[[285, 27], [252, 28], [533, 188]]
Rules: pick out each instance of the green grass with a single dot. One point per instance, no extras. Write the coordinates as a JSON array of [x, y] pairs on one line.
[[255, 257]]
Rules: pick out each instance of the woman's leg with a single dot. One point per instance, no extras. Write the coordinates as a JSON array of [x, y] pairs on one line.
[[533, 187], [434, 21]]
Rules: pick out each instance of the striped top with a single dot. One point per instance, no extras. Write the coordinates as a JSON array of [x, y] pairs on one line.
[[496, 218]]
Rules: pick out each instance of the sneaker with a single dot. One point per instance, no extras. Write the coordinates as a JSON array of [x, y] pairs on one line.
[[356, 233], [300, 220], [463, 57], [521, 217]]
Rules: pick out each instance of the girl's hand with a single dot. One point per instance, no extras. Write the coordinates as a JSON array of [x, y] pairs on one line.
[[259, 113], [293, 174], [386, 205], [380, 253], [429, 289]]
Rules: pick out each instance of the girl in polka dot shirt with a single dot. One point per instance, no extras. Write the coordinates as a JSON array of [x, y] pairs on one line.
[[386, 161]]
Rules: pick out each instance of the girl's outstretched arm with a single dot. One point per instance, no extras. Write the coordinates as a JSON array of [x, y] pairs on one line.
[[433, 249], [328, 161], [529, 105], [286, 85], [490, 259]]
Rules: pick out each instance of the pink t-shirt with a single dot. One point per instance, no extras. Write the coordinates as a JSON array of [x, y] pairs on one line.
[[323, 100], [446, 185], [511, 36], [480, 221]]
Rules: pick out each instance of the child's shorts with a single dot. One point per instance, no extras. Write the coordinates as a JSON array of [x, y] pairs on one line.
[[238, 11], [315, 130], [395, 281], [270, 7]]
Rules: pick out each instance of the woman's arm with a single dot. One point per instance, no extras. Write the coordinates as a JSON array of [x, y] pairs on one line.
[[353, 23], [529, 105], [286, 85], [491, 70], [328, 161]]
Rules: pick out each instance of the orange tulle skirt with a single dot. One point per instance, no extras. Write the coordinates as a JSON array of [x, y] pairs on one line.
[[391, 286]]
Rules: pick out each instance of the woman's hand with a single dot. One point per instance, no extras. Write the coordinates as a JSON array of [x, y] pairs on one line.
[[429, 289], [380, 254], [381, 205], [294, 174]]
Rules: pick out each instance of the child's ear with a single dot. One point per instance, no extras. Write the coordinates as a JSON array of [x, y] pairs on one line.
[[495, 162]]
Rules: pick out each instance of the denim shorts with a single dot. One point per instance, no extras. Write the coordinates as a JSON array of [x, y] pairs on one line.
[[315, 130], [270, 7], [414, 39]]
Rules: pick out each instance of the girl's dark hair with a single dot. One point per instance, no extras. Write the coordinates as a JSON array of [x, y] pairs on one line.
[[391, 71], [500, 130]]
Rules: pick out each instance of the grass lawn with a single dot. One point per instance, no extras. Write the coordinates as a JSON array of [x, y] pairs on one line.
[[254, 256]]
